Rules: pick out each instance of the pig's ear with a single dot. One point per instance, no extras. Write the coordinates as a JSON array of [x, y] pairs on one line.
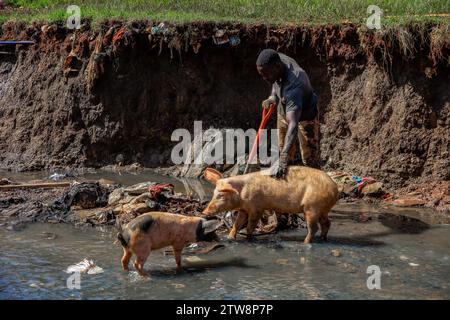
[[211, 225], [227, 187], [212, 175]]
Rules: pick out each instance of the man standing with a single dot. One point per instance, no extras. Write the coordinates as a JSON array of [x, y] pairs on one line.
[[296, 103]]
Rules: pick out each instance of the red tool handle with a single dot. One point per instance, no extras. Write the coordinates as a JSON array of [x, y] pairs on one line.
[[265, 117]]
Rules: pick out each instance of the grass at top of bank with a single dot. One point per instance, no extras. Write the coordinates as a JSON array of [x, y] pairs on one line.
[[277, 12]]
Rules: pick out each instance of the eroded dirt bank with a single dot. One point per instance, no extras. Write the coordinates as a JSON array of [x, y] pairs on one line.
[[116, 94]]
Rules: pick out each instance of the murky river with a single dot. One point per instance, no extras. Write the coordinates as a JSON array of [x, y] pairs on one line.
[[410, 248]]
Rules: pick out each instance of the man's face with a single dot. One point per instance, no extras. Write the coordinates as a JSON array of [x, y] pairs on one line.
[[269, 73]]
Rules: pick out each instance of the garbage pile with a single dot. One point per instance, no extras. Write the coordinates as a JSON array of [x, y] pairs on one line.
[[94, 203], [356, 187], [432, 194], [128, 203], [103, 202]]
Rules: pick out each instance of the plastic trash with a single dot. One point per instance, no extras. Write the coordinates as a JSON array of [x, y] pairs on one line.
[[194, 259], [220, 37], [85, 266], [48, 235], [193, 246], [161, 28], [60, 176], [56, 176], [5, 181], [335, 253], [283, 262]]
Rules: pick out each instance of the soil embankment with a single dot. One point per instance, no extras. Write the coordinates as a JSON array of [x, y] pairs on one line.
[[99, 97]]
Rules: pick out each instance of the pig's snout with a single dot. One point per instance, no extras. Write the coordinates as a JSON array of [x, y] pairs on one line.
[[209, 210]]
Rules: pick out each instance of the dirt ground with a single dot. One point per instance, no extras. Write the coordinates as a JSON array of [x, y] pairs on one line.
[[113, 95]]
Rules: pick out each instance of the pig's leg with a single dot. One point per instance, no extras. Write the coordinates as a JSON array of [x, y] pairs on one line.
[[126, 258], [139, 266], [240, 221], [252, 223], [140, 261], [177, 253], [311, 222], [324, 227]]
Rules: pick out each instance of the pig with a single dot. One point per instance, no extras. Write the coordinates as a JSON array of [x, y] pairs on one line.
[[156, 230], [303, 189]]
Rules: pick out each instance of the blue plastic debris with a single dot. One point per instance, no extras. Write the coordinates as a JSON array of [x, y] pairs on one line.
[[13, 43], [357, 179], [234, 40], [161, 28]]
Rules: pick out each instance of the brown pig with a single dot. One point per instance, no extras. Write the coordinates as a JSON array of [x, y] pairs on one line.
[[304, 189], [156, 230]]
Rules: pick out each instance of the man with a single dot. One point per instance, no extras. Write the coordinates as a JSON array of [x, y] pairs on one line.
[[296, 103]]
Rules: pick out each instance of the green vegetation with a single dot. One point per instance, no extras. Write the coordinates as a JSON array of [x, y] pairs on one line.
[[246, 11]]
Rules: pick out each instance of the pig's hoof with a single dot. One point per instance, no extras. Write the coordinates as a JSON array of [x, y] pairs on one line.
[[179, 270]]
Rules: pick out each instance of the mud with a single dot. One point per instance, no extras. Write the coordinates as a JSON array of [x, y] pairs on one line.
[[114, 95], [434, 194], [19, 206], [106, 203]]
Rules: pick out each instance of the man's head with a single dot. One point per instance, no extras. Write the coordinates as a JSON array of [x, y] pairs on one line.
[[269, 65]]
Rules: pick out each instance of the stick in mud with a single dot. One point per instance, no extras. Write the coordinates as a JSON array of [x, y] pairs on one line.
[[35, 186]]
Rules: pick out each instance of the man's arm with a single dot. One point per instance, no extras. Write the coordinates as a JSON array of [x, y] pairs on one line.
[[292, 119]]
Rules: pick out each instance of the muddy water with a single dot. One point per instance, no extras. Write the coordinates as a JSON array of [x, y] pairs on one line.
[[412, 252]]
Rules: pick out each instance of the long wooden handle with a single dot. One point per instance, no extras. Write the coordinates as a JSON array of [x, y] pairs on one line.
[[265, 118], [45, 185]]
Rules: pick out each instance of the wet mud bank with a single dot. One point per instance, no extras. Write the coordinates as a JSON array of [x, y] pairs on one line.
[[114, 94], [84, 201]]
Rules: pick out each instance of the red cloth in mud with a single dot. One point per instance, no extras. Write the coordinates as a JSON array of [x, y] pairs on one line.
[[157, 189], [365, 182]]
